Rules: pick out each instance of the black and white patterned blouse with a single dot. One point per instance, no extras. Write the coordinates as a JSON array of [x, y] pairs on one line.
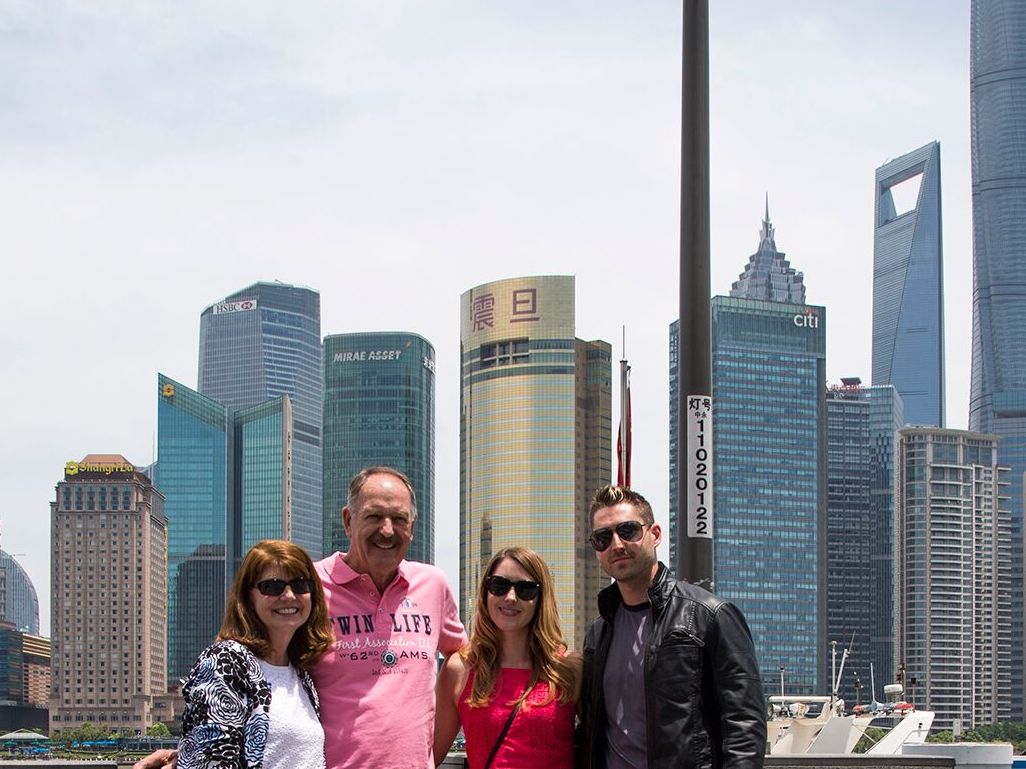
[[227, 701]]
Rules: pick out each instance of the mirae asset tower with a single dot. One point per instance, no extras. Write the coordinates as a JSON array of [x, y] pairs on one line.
[[535, 437]]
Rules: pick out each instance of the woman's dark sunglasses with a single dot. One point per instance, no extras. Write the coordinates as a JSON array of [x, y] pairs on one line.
[[627, 531], [499, 586], [300, 586]]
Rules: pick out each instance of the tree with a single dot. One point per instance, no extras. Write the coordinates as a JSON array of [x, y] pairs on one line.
[[159, 729], [87, 732]]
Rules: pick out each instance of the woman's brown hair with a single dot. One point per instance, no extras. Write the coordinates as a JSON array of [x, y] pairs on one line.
[[546, 646], [241, 623]]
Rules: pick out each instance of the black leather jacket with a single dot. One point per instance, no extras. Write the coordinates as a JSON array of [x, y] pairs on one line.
[[703, 692]]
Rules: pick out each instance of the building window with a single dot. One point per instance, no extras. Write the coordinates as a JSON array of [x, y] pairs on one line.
[[504, 353]]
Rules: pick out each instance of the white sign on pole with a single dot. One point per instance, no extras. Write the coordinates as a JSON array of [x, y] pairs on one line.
[[699, 477]]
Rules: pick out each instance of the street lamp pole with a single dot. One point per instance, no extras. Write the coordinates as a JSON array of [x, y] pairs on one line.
[[694, 460]]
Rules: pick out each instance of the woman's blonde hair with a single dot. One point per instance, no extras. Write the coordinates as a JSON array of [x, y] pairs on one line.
[[545, 644], [241, 623]]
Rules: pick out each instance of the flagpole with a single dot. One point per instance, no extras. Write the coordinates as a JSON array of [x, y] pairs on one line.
[[623, 441], [623, 436]]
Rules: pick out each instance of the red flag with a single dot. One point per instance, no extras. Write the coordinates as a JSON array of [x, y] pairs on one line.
[[623, 434]]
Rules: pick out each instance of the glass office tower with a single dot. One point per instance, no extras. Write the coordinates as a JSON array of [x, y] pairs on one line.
[[379, 409], [535, 437], [259, 344], [908, 285], [18, 602], [193, 473], [769, 475], [769, 463], [262, 495], [997, 404], [768, 275], [226, 478], [861, 425]]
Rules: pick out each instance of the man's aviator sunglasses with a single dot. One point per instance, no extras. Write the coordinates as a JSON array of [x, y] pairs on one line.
[[627, 531], [526, 589], [300, 586]]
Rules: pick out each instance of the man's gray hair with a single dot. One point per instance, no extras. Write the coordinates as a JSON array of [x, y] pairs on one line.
[[361, 477]]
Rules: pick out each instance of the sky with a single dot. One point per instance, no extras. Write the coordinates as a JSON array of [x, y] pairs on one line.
[[392, 154]]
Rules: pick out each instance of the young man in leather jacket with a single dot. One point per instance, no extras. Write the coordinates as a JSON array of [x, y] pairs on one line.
[[670, 675]]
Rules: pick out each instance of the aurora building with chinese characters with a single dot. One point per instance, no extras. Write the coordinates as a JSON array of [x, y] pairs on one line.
[[769, 462], [379, 409], [535, 437]]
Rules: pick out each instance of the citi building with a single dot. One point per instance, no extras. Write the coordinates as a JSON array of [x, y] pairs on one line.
[[769, 463]]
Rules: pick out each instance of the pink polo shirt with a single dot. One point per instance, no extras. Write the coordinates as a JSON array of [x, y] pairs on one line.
[[376, 684]]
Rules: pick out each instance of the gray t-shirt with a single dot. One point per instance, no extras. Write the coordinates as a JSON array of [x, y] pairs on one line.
[[623, 684]]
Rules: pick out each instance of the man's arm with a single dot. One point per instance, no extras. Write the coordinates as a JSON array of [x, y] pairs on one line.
[[165, 758], [738, 689], [451, 680]]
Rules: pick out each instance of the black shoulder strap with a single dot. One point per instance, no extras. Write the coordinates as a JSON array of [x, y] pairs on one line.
[[505, 728]]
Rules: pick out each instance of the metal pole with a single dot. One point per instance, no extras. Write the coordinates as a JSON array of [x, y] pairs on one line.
[[694, 559]]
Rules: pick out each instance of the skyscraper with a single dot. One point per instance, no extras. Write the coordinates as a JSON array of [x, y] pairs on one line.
[[262, 499], [861, 425], [769, 476], [259, 344], [109, 594], [379, 409], [908, 285], [535, 437], [227, 480], [769, 454], [24, 678], [193, 473], [18, 602], [768, 275], [953, 575], [997, 402]]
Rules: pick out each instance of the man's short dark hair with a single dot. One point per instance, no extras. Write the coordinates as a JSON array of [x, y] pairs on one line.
[[608, 496], [361, 477]]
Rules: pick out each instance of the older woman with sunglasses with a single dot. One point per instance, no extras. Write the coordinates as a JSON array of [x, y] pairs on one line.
[[250, 702], [514, 686]]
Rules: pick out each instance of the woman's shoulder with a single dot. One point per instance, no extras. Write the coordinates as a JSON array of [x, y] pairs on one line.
[[227, 659], [455, 673], [228, 650], [455, 664]]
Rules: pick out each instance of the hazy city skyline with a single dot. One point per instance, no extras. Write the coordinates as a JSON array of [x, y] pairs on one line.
[[393, 157]]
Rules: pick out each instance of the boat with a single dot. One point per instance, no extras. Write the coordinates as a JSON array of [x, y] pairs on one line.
[[798, 724]]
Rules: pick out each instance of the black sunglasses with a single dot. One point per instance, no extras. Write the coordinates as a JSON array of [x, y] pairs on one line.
[[526, 589], [299, 585], [627, 531]]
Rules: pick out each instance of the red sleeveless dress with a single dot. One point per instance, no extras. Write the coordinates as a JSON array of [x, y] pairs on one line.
[[541, 735]]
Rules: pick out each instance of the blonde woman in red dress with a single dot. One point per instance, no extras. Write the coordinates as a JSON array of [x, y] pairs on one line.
[[514, 686]]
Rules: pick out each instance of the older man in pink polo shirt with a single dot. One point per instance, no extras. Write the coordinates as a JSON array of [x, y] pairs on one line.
[[391, 618]]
